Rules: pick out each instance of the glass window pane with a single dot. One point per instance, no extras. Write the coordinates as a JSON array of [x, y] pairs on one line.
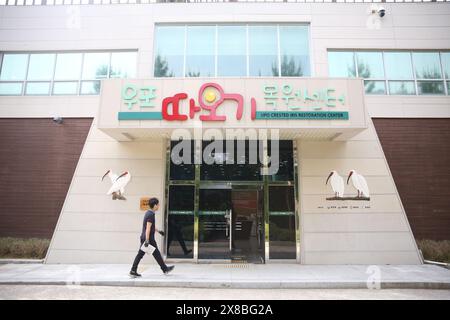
[[230, 160], [427, 65], [401, 87], [200, 48], [370, 65], [445, 58], [123, 65], [375, 87], [182, 152], [232, 46], [216, 151], [430, 87], [398, 65], [246, 166], [169, 49], [14, 67], [341, 64], [95, 65], [41, 66], [282, 223], [10, 88], [35, 88], [68, 66], [285, 162], [294, 50], [448, 87], [65, 87], [263, 51], [90, 87]]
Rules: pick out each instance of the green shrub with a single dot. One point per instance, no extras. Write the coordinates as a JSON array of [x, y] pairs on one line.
[[438, 251], [31, 248]]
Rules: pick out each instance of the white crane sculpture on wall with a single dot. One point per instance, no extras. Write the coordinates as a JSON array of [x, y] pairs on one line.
[[360, 184], [118, 184], [337, 185]]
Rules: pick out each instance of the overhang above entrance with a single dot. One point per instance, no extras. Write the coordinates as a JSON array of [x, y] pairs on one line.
[[297, 108]]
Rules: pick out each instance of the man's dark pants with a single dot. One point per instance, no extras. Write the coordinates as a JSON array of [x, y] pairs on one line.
[[156, 255]]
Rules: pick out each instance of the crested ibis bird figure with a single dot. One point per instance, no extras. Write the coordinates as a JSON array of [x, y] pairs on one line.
[[360, 184], [337, 184], [118, 184]]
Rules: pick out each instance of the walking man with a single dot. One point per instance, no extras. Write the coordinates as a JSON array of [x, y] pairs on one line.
[[148, 238]]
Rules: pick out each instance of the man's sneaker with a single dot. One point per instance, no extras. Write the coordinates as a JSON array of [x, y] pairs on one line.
[[169, 269], [134, 274]]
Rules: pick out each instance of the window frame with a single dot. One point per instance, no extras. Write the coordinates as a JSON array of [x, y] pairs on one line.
[[443, 80], [50, 84], [446, 86], [355, 61], [413, 79], [247, 49], [52, 81]]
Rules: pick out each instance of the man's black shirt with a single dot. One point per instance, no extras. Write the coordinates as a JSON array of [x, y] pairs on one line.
[[148, 217]]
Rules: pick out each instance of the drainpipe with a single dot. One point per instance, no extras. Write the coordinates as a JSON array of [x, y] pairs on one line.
[[441, 264]]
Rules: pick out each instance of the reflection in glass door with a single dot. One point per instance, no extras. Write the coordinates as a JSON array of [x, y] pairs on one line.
[[247, 236], [214, 223], [180, 226], [282, 222]]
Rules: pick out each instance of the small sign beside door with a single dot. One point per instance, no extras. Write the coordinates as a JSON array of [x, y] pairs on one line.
[[144, 206]]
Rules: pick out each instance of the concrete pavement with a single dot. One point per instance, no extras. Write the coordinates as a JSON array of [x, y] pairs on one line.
[[42, 292], [249, 276]]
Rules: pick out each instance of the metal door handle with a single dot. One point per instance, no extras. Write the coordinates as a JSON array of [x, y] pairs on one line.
[[227, 217], [231, 228]]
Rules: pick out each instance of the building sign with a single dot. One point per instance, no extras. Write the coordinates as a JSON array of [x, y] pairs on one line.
[[297, 98], [302, 115], [296, 103], [143, 96]]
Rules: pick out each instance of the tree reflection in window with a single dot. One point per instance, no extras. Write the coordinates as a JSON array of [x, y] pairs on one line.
[[289, 68], [162, 67]]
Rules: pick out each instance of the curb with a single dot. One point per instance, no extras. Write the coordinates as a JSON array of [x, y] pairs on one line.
[[243, 284], [21, 261]]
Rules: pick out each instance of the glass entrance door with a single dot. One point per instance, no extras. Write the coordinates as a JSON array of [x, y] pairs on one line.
[[247, 224], [214, 232], [232, 211], [231, 223]]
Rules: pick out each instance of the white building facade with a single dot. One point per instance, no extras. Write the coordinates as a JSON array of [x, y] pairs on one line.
[[336, 70]]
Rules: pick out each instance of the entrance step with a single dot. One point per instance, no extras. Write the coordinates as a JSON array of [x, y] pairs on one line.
[[233, 264], [239, 262]]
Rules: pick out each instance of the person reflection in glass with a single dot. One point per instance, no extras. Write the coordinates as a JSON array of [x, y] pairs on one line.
[[233, 223], [175, 231]]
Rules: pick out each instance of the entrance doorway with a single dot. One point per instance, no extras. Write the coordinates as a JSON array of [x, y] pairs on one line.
[[221, 212], [231, 223], [247, 237]]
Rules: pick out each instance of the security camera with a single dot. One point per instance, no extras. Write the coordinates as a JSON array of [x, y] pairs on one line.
[[381, 12], [58, 120]]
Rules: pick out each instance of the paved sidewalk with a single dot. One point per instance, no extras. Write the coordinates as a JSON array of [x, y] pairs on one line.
[[42, 292], [268, 276]]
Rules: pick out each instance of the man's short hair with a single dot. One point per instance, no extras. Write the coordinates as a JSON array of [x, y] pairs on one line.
[[153, 202]]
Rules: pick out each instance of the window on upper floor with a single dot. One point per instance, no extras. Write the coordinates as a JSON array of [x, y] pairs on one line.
[[238, 50], [394, 72], [62, 73], [445, 59]]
